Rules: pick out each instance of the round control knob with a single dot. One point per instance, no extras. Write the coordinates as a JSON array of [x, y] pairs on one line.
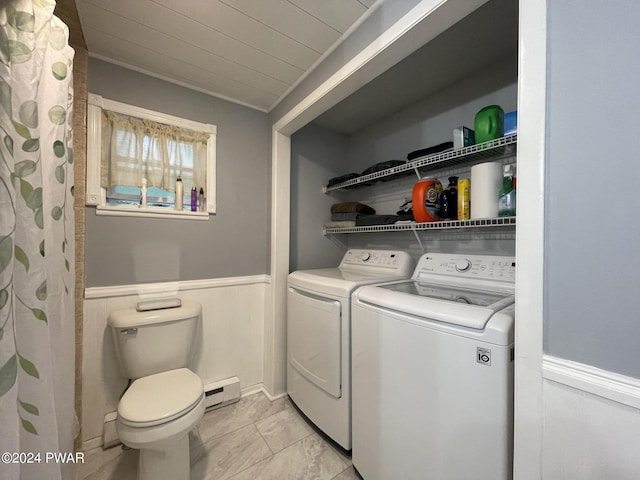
[[365, 256], [463, 265]]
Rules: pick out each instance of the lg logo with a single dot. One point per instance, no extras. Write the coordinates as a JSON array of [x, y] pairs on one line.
[[483, 356]]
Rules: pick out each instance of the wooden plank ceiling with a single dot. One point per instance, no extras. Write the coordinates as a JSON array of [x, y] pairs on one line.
[[248, 51]]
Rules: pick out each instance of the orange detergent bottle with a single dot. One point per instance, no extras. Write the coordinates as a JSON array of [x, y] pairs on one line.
[[426, 200]]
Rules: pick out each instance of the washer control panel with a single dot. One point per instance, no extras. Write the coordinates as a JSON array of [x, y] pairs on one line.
[[481, 267]]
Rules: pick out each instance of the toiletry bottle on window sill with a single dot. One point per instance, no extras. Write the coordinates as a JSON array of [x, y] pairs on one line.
[[194, 199], [201, 201], [179, 193], [143, 194]]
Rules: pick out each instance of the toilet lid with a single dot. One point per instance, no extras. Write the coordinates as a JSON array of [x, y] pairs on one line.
[[160, 398]]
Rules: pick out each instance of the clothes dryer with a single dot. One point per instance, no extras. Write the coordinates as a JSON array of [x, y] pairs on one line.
[[433, 372], [319, 334]]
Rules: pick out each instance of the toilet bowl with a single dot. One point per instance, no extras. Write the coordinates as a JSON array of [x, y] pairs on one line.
[[159, 426], [162, 404]]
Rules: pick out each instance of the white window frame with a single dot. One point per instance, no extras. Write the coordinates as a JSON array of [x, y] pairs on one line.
[[96, 196]]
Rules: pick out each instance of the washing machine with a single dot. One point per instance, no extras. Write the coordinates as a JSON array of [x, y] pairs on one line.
[[319, 334], [433, 371]]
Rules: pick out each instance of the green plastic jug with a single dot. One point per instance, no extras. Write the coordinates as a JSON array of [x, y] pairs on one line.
[[489, 123]]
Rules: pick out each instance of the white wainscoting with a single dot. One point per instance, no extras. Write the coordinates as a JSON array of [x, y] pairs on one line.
[[591, 423], [231, 341]]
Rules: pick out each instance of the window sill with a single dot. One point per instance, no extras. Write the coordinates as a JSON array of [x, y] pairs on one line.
[[149, 212]]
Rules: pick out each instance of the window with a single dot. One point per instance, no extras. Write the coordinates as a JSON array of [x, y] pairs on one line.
[[127, 144]]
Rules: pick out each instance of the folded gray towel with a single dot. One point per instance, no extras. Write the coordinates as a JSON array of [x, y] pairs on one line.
[[352, 207], [343, 224], [376, 220], [339, 217]]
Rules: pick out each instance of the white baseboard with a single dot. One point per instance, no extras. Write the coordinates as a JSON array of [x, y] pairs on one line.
[[91, 444], [253, 389], [609, 385], [273, 397]]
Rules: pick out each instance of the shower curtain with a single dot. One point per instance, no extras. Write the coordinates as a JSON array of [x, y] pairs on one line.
[[36, 242]]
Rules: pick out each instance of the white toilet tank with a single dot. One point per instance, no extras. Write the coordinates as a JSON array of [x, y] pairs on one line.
[[154, 341]]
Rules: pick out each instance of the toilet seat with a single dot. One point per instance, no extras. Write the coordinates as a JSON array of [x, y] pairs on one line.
[[160, 398]]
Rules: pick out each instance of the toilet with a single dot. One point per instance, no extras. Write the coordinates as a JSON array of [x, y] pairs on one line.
[[165, 400]]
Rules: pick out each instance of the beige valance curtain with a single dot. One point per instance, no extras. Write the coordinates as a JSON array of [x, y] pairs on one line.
[[135, 148]]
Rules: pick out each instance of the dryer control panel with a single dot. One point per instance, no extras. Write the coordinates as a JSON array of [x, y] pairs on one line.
[[373, 260]]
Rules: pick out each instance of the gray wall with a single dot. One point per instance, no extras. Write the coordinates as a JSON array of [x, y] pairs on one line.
[[316, 156], [592, 300], [234, 241], [431, 121]]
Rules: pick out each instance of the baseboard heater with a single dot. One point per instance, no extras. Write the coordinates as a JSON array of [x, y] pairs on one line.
[[223, 392]]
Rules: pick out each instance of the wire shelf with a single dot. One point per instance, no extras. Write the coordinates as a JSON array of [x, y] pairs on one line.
[[503, 146], [444, 225]]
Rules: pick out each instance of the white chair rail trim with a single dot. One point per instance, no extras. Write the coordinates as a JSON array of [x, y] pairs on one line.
[[143, 289], [612, 386]]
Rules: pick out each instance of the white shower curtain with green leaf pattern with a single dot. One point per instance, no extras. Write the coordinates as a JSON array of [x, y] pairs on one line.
[[36, 241]]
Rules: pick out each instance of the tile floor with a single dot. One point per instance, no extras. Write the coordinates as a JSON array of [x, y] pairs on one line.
[[253, 439]]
